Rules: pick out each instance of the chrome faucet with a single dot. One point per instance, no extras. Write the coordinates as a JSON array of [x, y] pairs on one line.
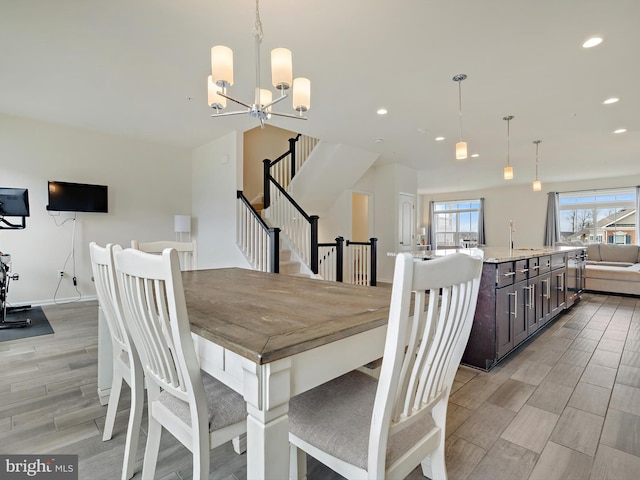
[[511, 230]]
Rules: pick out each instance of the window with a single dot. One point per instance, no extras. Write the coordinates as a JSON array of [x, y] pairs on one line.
[[456, 223], [595, 216]]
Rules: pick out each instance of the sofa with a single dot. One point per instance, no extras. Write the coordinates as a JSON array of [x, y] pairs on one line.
[[613, 268]]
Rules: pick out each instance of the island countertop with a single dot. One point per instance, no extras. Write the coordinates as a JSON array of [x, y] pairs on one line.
[[500, 254]]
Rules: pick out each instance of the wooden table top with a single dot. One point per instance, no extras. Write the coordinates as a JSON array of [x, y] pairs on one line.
[[267, 316]]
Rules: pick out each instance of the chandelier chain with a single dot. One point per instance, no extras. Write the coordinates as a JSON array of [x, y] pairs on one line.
[[257, 29]]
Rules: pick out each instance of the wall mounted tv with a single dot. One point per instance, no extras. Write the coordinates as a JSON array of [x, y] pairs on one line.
[[77, 197]]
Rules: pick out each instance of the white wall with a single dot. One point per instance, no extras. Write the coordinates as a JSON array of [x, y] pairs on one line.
[[217, 175], [520, 203], [148, 184]]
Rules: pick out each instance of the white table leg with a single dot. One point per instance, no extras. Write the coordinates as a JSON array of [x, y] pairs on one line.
[[267, 391]]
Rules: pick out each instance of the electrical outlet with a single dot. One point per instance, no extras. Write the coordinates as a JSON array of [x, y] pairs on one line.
[[60, 274]]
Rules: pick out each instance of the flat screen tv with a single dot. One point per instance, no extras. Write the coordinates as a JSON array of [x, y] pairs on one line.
[[14, 202], [77, 197]]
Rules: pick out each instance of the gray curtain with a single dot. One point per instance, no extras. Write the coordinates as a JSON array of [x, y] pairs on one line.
[[638, 215], [552, 225], [481, 239], [431, 230]]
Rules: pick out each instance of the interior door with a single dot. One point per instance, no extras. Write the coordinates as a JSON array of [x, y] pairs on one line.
[[406, 222]]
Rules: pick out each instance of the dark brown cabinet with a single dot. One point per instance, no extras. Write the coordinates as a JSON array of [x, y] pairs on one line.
[[516, 298]]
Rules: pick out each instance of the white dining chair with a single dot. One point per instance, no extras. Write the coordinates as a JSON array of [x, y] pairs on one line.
[[365, 428], [126, 364], [187, 251], [201, 412]]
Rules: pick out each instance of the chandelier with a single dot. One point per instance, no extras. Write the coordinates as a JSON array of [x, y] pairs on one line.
[[221, 78]]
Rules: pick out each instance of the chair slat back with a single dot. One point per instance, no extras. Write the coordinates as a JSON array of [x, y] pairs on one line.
[[107, 293], [187, 251], [155, 311], [423, 351]]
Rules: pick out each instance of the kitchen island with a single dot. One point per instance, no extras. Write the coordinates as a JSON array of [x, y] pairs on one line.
[[521, 291]]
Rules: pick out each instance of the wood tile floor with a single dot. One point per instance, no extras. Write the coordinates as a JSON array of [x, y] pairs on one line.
[[566, 405]]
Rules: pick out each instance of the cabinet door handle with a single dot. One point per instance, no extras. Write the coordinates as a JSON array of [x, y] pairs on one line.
[[515, 305], [524, 270], [560, 281], [545, 292], [531, 289], [536, 267], [509, 274]]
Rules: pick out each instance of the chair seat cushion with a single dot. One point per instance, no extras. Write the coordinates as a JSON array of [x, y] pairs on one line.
[[225, 406], [336, 418]]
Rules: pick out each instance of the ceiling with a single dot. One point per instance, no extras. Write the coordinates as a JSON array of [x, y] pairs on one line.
[[138, 68]]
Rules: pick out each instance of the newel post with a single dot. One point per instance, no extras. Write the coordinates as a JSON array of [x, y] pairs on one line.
[[266, 195], [339, 259], [274, 250], [292, 154], [313, 219], [374, 265]]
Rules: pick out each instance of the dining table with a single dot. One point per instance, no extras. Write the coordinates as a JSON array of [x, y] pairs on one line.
[[270, 336]]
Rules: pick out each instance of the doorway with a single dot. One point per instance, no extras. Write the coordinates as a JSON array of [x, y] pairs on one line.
[[360, 217]]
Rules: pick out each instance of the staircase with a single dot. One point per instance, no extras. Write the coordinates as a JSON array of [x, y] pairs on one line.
[[276, 234], [289, 265]]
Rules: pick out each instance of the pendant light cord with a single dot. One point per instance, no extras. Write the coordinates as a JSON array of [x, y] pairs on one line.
[[537, 142], [460, 106]]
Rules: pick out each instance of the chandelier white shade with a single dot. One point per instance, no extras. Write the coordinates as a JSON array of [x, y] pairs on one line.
[[537, 184], [281, 79], [222, 66], [461, 146], [301, 94], [508, 170], [281, 68]]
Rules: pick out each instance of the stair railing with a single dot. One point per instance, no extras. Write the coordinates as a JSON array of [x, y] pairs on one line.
[[349, 262], [259, 243], [331, 260], [299, 227], [294, 222], [360, 262], [284, 168]]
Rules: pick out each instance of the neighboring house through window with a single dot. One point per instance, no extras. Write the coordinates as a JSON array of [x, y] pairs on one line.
[[599, 216]]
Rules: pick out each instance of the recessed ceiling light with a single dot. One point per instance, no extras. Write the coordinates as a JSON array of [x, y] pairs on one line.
[[378, 140], [620, 130], [439, 139], [382, 111], [592, 42], [611, 100], [475, 155]]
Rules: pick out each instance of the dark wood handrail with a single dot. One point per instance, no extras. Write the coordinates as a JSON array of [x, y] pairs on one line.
[[273, 232], [254, 212], [290, 198]]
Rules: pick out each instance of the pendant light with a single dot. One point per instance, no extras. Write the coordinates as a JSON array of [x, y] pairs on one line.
[[537, 184], [461, 146], [508, 170]]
